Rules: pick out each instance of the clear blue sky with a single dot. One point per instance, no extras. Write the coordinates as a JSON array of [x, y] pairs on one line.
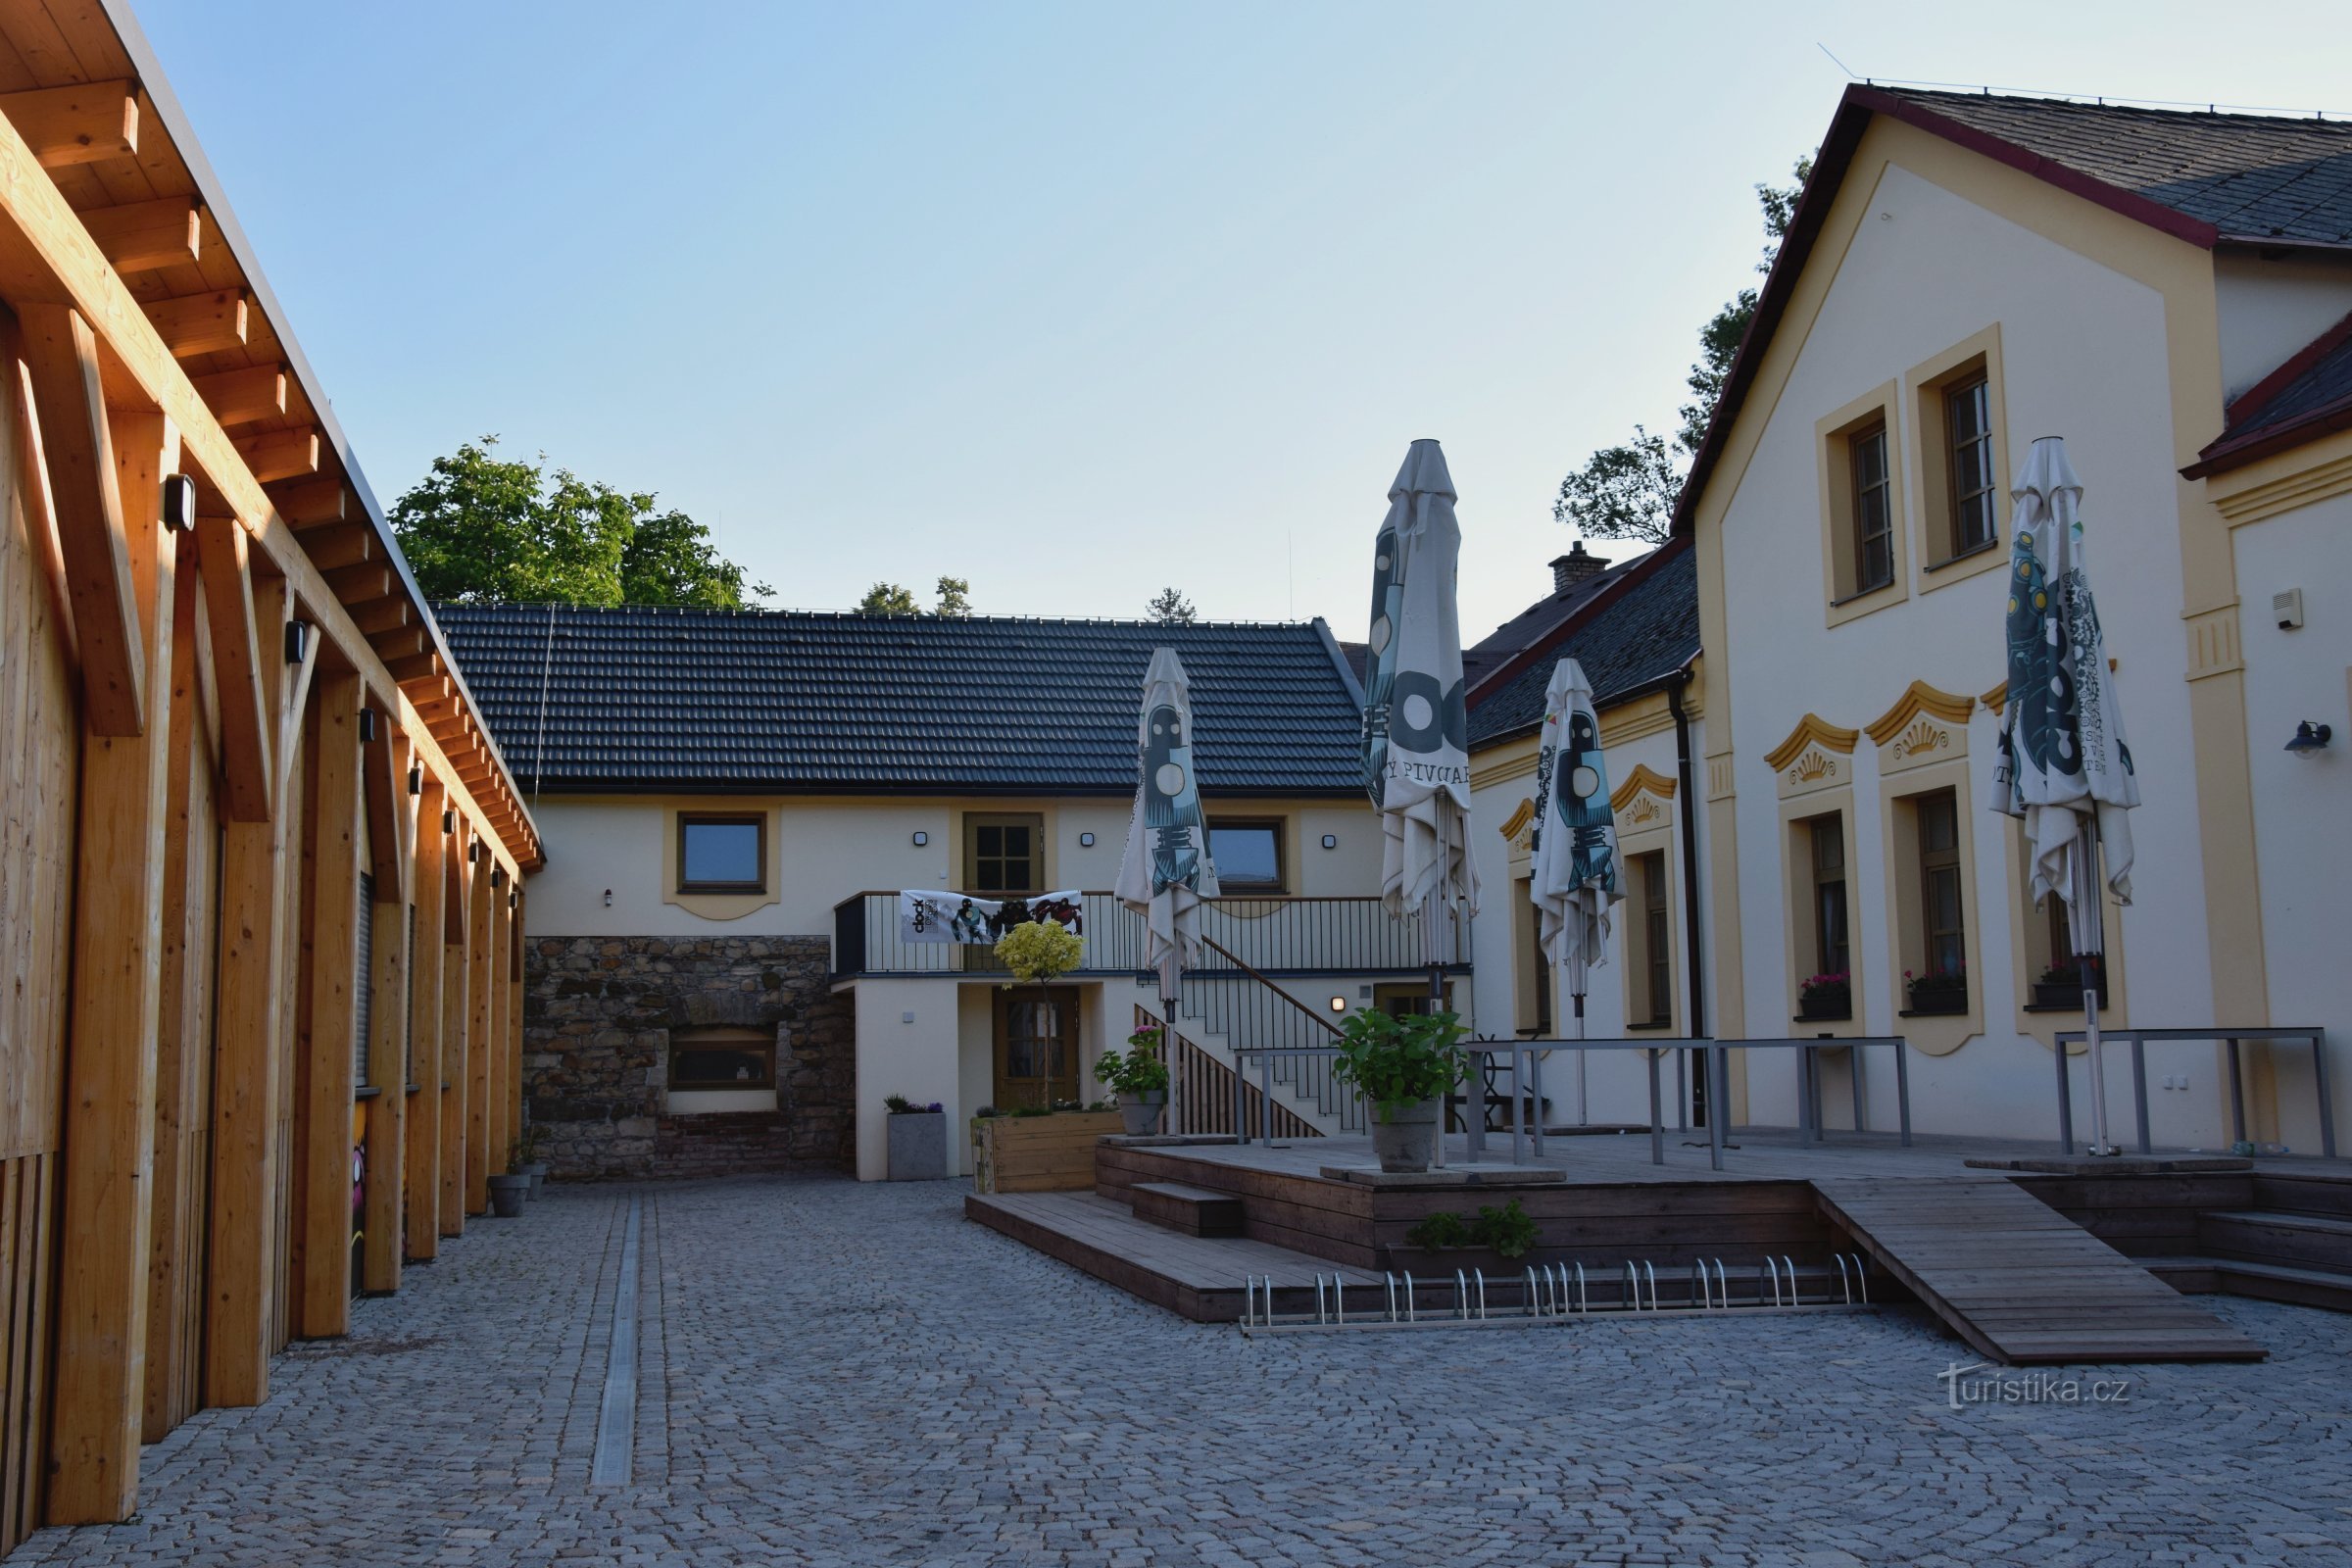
[[1072, 300]]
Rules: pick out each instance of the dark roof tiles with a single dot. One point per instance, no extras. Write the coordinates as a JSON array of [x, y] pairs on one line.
[[1650, 631]]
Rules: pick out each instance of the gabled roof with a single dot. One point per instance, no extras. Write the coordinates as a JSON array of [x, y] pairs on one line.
[[2308, 395], [2207, 178], [1539, 620], [1646, 634], [797, 702]]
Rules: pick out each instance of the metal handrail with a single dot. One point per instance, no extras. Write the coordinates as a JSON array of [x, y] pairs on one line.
[[2231, 1035], [1243, 965]]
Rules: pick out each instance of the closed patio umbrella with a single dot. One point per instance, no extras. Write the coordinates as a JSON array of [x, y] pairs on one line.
[[1416, 751], [1166, 870], [1573, 852], [2063, 767]]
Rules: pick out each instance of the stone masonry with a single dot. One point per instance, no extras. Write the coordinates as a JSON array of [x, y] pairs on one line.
[[598, 1014]]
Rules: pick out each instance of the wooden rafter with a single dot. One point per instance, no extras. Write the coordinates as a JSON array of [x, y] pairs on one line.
[[357, 584], [381, 768], [381, 615], [60, 355], [314, 503], [240, 397], [247, 726], [144, 237], [41, 513], [280, 455], [344, 544], [86, 123], [200, 323]]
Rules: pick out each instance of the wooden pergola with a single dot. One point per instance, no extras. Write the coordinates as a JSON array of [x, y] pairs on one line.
[[234, 754]]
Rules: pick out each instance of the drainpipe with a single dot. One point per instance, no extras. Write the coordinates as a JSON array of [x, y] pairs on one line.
[[1685, 770]]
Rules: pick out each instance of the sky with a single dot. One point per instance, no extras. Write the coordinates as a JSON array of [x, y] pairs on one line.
[[1073, 301]]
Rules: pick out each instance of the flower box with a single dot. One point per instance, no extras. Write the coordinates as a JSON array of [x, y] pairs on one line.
[[2059, 996], [919, 1145], [1937, 994], [1825, 997], [1039, 1154]]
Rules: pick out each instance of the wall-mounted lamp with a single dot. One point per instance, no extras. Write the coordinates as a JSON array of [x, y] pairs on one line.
[[607, 897], [1331, 841], [2310, 739], [368, 727], [298, 641], [498, 876], [922, 839], [449, 821], [1086, 841], [416, 779], [515, 900], [1339, 1003], [473, 851], [180, 503]]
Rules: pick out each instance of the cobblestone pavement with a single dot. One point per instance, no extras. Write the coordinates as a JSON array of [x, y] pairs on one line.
[[843, 1374]]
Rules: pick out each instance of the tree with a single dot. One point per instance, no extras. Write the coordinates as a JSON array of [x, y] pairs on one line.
[[1171, 608], [1629, 491], [480, 528], [955, 598], [887, 599]]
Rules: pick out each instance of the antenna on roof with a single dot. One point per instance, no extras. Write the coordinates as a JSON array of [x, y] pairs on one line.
[[1839, 63]]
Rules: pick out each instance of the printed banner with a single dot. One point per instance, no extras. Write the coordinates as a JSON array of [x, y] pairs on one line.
[[980, 918]]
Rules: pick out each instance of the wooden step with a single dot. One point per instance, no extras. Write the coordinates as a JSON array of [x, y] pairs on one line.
[[2269, 1282], [1193, 1210], [2304, 1194], [2018, 1281], [2272, 1235]]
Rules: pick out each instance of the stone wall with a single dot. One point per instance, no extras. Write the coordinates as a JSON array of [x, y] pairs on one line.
[[598, 1014]]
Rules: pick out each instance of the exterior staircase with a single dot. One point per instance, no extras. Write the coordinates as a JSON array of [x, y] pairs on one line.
[[2294, 1244], [1206, 1063]]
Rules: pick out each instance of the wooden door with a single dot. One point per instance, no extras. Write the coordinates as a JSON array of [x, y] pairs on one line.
[[1036, 1047]]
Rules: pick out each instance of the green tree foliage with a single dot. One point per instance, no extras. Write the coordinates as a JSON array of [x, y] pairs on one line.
[[888, 599], [1171, 608], [1628, 491], [955, 598], [479, 527]]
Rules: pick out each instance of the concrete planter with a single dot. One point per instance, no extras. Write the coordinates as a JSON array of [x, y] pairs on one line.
[[919, 1145], [1039, 1154], [537, 1174], [507, 1194], [1405, 1135], [1141, 1111]]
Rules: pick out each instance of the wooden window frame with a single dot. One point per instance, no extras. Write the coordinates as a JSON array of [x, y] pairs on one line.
[[1837, 442], [1979, 387], [1936, 536], [689, 820], [1860, 536], [1039, 871], [1281, 884], [723, 1038]]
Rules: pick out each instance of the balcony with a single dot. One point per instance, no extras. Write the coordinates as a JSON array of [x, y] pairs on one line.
[[1271, 937]]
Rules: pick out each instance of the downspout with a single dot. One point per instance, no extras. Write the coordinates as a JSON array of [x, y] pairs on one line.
[[1684, 772]]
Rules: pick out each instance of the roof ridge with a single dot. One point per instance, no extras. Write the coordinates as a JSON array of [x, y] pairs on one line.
[[2336, 120], [463, 606]]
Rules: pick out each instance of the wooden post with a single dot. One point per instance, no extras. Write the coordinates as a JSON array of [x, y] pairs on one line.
[[422, 1163], [515, 1012], [326, 1072], [388, 1075], [108, 1134], [248, 1047], [457, 1014], [481, 1042]]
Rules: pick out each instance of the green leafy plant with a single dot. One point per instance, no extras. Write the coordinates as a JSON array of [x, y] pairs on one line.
[[1440, 1230], [1036, 952], [1510, 1230], [1397, 1063], [985, 1113], [1031, 1111], [1138, 1072], [897, 1105]]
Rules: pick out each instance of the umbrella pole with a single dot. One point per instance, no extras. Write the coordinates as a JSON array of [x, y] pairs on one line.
[[1167, 1055], [1431, 909], [1581, 1118], [2090, 1043]]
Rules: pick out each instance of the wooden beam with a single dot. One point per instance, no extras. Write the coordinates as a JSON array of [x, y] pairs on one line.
[[199, 324], [422, 1158], [457, 1019], [248, 727], [343, 544], [385, 1134], [248, 1046], [380, 615], [281, 453], [387, 790], [144, 237], [325, 1067], [399, 642], [61, 353], [419, 667], [482, 1041], [514, 1084], [354, 585], [109, 1137], [314, 503], [240, 397], [40, 512], [82, 123]]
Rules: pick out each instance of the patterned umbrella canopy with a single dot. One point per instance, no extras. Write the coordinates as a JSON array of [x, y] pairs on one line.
[[1165, 871], [1573, 862]]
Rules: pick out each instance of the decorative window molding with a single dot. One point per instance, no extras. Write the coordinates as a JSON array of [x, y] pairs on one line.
[[1995, 698], [1925, 725], [1815, 756]]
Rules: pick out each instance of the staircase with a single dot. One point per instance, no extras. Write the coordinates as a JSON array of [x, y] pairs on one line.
[[1204, 1065], [2294, 1244]]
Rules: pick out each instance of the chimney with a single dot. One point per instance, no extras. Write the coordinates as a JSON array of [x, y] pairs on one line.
[[1575, 566]]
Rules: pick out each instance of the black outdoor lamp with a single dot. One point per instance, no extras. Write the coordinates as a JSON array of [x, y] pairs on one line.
[[416, 779], [473, 851], [180, 503], [449, 821], [298, 641], [2310, 739], [367, 726]]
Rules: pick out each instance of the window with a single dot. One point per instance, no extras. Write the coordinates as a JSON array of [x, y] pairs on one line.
[[1872, 508], [1830, 954], [1535, 986], [1968, 437], [1247, 854], [1004, 855], [1658, 957], [722, 1058], [722, 854], [1944, 942]]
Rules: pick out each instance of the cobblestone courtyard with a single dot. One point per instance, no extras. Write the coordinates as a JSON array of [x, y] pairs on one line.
[[842, 1374]]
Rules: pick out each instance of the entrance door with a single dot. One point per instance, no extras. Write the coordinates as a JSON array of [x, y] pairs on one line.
[[1036, 1046]]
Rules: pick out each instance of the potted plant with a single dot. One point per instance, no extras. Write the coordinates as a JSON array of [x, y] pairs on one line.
[[2060, 987], [1140, 1078], [528, 1162], [918, 1140], [507, 1192], [1826, 996], [1404, 1068], [1937, 991], [1038, 1149]]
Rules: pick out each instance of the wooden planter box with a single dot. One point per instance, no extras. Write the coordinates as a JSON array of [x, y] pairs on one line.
[[1039, 1154]]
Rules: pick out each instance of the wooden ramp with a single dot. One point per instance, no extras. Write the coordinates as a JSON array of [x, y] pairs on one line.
[[1197, 1277], [2018, 1281]]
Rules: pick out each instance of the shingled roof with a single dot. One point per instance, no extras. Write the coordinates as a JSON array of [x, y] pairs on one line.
[[2308, 395], [1649, 631], [797, 702]]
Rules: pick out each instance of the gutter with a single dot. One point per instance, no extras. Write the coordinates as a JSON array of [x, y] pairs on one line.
[[1686, 773]]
